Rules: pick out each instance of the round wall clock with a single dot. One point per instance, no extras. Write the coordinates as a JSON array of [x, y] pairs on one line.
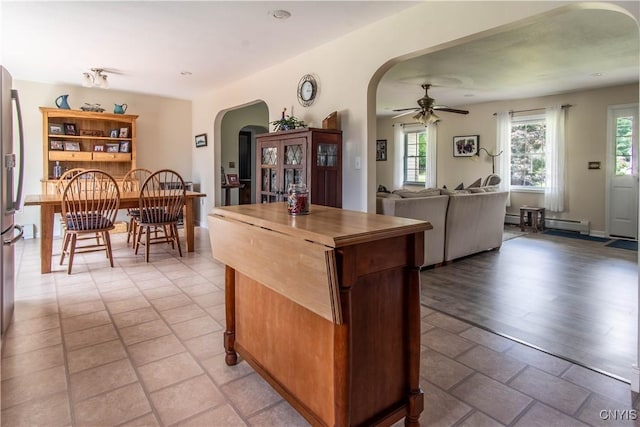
[[307, 90]]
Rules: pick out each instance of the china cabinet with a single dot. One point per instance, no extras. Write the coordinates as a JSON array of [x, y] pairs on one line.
[[310, 156]]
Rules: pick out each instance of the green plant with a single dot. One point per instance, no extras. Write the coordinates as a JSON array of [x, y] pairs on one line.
[[287, 123]]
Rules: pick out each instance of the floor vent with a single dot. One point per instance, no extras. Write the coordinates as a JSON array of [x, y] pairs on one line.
[[558, 224]]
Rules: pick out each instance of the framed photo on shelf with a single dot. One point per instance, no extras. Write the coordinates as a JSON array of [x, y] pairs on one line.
[[70, 129], [98, 148], [71, 146], [56, 129], [465, 146], [125, 146], [114, 133], [124, 133], [201, 140], [57, 145], [381, 150], [112, 148], [232, 179]]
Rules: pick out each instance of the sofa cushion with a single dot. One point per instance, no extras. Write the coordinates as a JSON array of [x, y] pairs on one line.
[[387, 195], [420, 193], [477, 189]]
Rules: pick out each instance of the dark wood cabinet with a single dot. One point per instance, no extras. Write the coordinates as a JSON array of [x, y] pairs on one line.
[[310, 155]]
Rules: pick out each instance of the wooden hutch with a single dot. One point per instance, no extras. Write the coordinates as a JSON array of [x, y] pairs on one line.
[[101, 141], [308, 155]]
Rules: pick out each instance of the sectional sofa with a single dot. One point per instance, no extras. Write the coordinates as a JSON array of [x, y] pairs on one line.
[[464, 222]]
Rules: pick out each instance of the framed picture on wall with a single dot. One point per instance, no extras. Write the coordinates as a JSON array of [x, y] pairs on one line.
[[201, 140], [381, 150], [465, 146]]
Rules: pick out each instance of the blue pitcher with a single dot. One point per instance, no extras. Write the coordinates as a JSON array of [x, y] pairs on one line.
[[120, 108], [61, 102]]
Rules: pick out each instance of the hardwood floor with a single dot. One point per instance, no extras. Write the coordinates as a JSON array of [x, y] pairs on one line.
[[573, 298]]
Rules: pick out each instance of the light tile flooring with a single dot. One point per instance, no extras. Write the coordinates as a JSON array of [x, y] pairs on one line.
[[141, 344]]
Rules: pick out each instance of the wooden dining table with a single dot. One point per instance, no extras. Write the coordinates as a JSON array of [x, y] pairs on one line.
[[50, 204]]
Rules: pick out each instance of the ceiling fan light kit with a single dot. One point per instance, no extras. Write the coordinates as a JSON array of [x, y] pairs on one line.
[[96, 78], [426, 108]]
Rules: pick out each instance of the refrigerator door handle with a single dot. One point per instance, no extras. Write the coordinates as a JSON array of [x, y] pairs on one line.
[[18, 201], [15, 238]]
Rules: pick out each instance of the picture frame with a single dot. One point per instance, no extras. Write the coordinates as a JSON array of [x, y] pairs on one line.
[[466, 145], [381, 150], [98, 148], [124, 133], [112, 148], [56, 145], [71, 146], [90, 132], [125, 146], [56, 129], [201, 140], [232, 179], [70, 129], [114, 133]]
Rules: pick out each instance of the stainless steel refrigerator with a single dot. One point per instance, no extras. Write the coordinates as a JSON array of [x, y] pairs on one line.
[[11, 190]]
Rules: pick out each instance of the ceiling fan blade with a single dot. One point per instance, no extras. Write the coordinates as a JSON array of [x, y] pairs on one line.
[[411, 110], [449, 110], [406, 109]]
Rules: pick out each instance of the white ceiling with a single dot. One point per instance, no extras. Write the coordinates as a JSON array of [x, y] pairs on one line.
[[578, 49], [148, 44]]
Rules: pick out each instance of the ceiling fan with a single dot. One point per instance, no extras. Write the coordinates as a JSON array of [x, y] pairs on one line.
[[426, 109]]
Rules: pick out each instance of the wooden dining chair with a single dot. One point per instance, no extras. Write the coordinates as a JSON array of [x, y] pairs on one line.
[[132, 182], [61, 184], [90, 203], [161, 201]]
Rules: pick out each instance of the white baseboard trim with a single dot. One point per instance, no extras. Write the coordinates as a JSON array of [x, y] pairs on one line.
[[581, 226], [635, 378]]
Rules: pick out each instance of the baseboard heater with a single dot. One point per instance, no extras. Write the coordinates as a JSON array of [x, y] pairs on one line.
[[560, 224]]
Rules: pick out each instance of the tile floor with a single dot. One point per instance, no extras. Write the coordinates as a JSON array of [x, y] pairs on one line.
[[141, 345]]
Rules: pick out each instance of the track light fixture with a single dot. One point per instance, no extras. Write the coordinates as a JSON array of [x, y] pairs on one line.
[[96, 78]]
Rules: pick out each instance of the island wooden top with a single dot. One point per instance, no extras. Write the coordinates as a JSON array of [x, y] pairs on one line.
[[332, 227], [56, 199]]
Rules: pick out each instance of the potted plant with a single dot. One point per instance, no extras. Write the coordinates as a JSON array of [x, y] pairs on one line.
[[287, 123]]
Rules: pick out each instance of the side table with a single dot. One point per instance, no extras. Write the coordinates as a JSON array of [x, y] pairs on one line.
[[531, 218]]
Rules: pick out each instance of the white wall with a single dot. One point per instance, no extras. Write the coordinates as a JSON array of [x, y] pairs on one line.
[[164, 138], [348, 70]]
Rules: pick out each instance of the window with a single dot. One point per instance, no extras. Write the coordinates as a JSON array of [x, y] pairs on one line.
[[415, 159], [624, 138], [528, 152]]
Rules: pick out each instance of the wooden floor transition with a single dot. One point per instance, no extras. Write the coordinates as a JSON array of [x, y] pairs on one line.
[[573, 298]]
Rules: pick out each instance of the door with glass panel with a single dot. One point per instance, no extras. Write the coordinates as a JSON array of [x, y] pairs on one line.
[[622, 167]]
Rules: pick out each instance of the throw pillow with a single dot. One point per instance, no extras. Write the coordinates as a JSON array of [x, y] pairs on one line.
[[460, 186], [476, 183]]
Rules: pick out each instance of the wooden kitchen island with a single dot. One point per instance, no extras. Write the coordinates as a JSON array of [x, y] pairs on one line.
[[326, 307]]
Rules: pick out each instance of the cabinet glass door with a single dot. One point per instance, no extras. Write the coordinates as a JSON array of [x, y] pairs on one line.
[[294, 159], [327, 155], [269, 174]]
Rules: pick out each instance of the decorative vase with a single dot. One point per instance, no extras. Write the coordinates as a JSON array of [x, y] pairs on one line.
[[61, 102], [120, 108]]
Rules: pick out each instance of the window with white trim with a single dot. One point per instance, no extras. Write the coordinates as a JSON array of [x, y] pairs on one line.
[[415, 157], [528, 152]]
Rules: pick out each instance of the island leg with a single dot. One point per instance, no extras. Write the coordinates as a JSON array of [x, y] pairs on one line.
[[416, 395], [231, 357]]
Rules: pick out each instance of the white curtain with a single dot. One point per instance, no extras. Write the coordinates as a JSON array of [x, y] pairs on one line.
[[554, 159], [503, 142], [398, 156], [432, 156]]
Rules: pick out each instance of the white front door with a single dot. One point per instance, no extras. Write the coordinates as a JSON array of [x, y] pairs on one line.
[[622, 167]]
